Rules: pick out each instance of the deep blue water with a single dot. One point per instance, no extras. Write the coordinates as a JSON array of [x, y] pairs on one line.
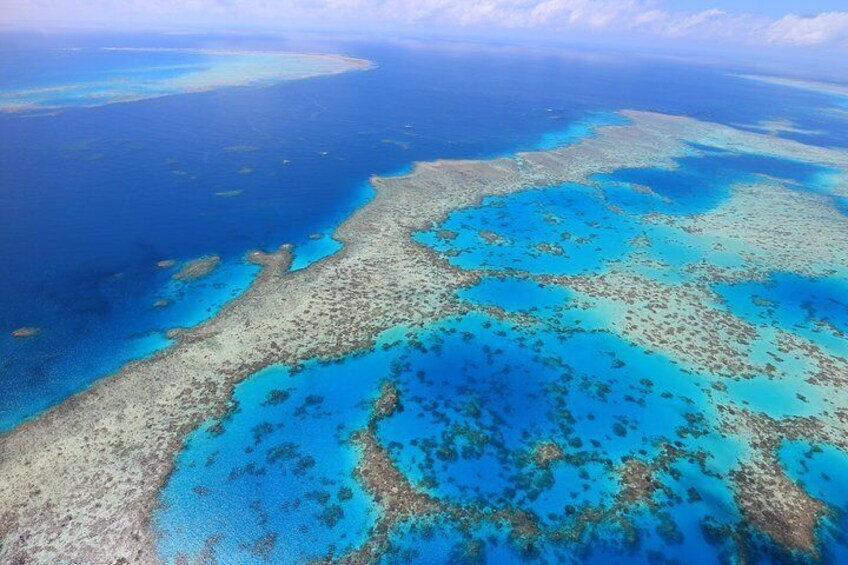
[[699, 184], [814, 308]]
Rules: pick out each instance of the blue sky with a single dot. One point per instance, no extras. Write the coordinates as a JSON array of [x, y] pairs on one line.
[[798, 25], [773, 8]]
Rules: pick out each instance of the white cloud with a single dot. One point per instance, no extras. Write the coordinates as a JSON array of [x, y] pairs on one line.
[[825, 28], [648, 17]]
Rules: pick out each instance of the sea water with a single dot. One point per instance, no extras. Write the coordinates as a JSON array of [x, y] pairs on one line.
[[93, 198], [478, 395]]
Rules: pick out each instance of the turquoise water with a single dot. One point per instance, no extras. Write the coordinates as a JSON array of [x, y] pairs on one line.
[[822, 470], [277, 467], [560, 231], [586, 127], [479, 395], [568, 230], [314, 250], [483, 399], [778, 398], [814, 308], [519, 295]]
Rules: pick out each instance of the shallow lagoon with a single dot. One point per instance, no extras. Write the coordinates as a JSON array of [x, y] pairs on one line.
[[477, 397], [273, 478], [481, 395]]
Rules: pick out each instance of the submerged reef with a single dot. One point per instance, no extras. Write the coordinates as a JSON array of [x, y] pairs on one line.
[[620, 403], [166, 72], [197, 268], [26, 331]]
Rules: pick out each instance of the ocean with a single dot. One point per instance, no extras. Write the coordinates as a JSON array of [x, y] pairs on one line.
[[93, 196]]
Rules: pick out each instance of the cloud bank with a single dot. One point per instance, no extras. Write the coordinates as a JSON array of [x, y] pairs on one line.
[[656, 18]]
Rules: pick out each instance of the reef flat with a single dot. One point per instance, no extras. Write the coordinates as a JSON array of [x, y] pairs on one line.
[[80, 482], [164, 72]]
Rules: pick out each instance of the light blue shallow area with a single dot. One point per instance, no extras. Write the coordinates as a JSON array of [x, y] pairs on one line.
[[777, 398], [477, 396], [577, 131], [560, 230], [577, 229], [314, 250], [278, 466], [518, 295], [124, 75], [821, 469]]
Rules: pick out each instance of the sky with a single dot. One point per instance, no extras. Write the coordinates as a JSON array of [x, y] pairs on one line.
[[800, 25], [773, 8]]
